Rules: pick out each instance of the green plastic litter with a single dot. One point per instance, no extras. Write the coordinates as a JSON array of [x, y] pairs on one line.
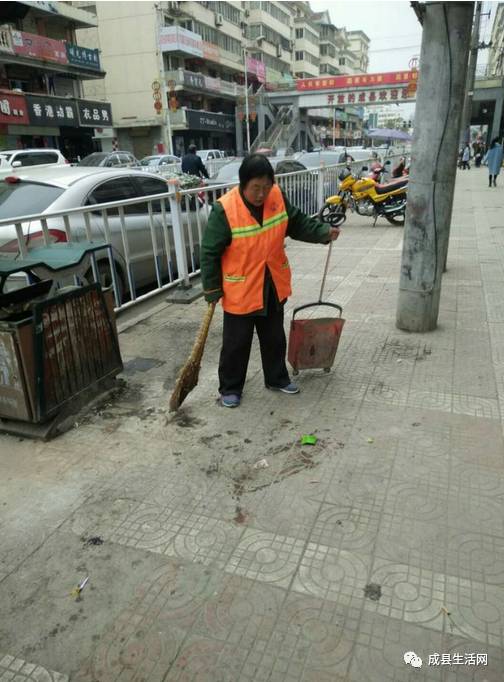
[[308, 440]]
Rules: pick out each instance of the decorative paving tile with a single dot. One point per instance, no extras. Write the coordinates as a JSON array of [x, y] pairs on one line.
[[476, 406], [14, 669], [380, 647], [476, 556], [477, 610], [333, 574], [417, 501], [430, 400], [349, 528], [266, 557], [407, 540], [408, 593], [177, 533]]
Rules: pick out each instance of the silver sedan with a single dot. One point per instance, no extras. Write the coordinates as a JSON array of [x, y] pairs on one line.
[[56, 190]]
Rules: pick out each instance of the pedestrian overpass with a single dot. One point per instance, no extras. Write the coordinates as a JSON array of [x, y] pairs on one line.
[[286, 105]]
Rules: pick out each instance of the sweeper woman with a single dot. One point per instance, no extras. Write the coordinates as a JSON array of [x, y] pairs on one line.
[[243, 261]]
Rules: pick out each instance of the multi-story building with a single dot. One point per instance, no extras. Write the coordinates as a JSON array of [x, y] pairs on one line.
[[341, 51], [194, 47], [496, 55], [197, 52], [42, 71], [269, 24], [359, 50], [306, 63]]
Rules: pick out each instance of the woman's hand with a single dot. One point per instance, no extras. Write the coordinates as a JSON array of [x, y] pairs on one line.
[[334, 233]]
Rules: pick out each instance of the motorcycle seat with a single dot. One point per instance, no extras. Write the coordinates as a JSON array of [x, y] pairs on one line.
[[391, 186]]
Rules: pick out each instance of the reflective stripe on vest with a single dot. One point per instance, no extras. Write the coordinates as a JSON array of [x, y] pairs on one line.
[[253, 248]]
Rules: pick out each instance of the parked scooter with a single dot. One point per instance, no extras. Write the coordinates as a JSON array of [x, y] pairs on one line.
[[366, 197]]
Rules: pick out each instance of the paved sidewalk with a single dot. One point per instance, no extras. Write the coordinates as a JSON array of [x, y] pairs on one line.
[[326, 566]]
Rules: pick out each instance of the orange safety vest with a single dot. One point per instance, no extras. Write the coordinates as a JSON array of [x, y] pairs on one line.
[[252, 248]]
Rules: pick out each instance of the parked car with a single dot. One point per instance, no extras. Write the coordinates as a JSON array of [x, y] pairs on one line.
[[210, 154], [109, 160], [11, 159], [154, 163], [40, 191], [298, 191]]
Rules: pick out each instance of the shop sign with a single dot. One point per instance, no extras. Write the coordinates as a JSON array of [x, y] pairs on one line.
[[194, 80], [83, 56], [13, 109], [257, 69], [39, 47], [207, 120], [94, 114], [178, 39], [51, 111], [357, 81]]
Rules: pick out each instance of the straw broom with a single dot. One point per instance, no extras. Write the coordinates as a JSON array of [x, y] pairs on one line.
[[188, 375]]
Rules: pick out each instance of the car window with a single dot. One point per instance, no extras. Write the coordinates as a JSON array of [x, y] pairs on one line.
[[228, 173], [112, 160], [114, 190], [124, 158], [94, 159], [150, 186], [289, 167], [26, 198], [39, 158], [25, 158]]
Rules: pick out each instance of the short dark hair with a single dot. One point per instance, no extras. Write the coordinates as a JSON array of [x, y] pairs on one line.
[[192, 148], [255, 166]]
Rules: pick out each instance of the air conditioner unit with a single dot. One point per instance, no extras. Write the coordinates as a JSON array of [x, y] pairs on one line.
[[278, 50], [219, 19]]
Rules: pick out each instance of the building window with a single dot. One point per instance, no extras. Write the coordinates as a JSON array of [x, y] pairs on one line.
[[273, 10], [341, 61], [299, 55], [256, 30], [299, 33], [211, 35], [327, 51], [227, 10]]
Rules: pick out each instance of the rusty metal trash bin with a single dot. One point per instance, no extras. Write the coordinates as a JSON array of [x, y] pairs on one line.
[[54, 351], [313, 342]]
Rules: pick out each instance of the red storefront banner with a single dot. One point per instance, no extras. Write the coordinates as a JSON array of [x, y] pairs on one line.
[[359, 80], [39, 47], [13, 109], [378, 96]]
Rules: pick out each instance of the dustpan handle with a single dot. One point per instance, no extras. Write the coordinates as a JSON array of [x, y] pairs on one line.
[[325, 270], [309, 305]]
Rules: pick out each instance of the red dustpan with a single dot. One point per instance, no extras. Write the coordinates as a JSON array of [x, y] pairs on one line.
[[313, 342]]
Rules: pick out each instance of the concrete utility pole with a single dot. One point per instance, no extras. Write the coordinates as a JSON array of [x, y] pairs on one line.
[[471, 74], [440, 99]]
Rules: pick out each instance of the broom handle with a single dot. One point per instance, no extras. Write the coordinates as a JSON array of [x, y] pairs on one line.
[[325, 270], [203, 330]]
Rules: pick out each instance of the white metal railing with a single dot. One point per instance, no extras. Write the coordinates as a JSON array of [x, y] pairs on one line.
[[154, 241], [213, 166]]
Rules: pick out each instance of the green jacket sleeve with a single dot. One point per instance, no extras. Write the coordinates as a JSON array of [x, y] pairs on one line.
[[216, 238], [304, 228]]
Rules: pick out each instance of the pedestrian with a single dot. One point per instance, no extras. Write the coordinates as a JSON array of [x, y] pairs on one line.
[[192, 163], [466, 155], [243, 262], [493, 159]]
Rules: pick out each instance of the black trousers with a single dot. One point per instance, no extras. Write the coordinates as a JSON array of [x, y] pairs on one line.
[[237, 337]]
